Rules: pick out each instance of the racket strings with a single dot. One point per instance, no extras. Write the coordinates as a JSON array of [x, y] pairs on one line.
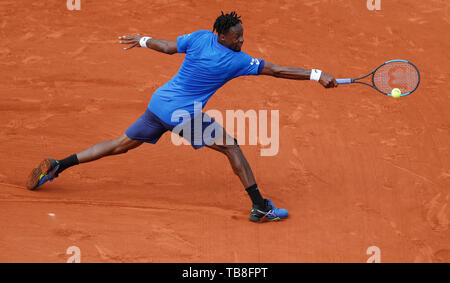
[[400, 75]]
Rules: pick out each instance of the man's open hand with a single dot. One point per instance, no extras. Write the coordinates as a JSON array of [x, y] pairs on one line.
[[133, 40], [328, 81]]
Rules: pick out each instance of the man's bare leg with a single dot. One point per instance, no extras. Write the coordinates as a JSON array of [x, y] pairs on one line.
[[50, 168], [237, 159], [240, 166], [262, 209], [117, 146]]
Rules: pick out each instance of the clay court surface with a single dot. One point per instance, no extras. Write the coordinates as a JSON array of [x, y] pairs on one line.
[[355, 168]]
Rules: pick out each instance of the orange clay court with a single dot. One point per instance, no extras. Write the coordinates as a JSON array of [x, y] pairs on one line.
[[355, 168]]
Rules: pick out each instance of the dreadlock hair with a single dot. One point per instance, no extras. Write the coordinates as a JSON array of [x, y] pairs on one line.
[[225, 21]]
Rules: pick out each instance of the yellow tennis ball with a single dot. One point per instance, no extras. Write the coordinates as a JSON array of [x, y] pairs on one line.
[[396, 93]]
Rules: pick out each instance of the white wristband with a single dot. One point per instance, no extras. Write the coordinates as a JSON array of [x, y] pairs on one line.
[[315, 75], [143, 41]]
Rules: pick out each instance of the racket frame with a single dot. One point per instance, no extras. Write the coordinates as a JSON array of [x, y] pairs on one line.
[[350, 81]]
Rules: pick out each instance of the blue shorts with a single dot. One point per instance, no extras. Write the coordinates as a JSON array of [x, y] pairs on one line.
[[149, 128]]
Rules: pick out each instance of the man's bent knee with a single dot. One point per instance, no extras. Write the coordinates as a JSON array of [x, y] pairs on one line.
[[226, 148], [232, 149], [124, 144]]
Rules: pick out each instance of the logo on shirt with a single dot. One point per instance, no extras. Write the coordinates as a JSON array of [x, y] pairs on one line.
[[186, 36], [254, 61]]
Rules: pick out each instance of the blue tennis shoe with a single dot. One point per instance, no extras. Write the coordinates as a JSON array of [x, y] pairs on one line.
[[46, 171], [271, 213]]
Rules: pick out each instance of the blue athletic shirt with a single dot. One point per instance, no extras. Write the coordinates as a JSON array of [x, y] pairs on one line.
[[207, 66]]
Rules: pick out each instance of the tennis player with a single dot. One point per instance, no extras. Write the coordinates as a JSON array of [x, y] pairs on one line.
[[211, 60]]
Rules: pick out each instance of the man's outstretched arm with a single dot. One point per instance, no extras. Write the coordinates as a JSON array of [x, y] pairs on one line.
[[294, 73], [161, 45]]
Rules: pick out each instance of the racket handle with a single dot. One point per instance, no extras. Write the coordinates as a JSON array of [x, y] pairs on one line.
[[344, 81]]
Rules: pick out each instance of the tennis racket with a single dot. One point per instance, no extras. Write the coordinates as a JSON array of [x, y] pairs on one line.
[[400, 74]]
